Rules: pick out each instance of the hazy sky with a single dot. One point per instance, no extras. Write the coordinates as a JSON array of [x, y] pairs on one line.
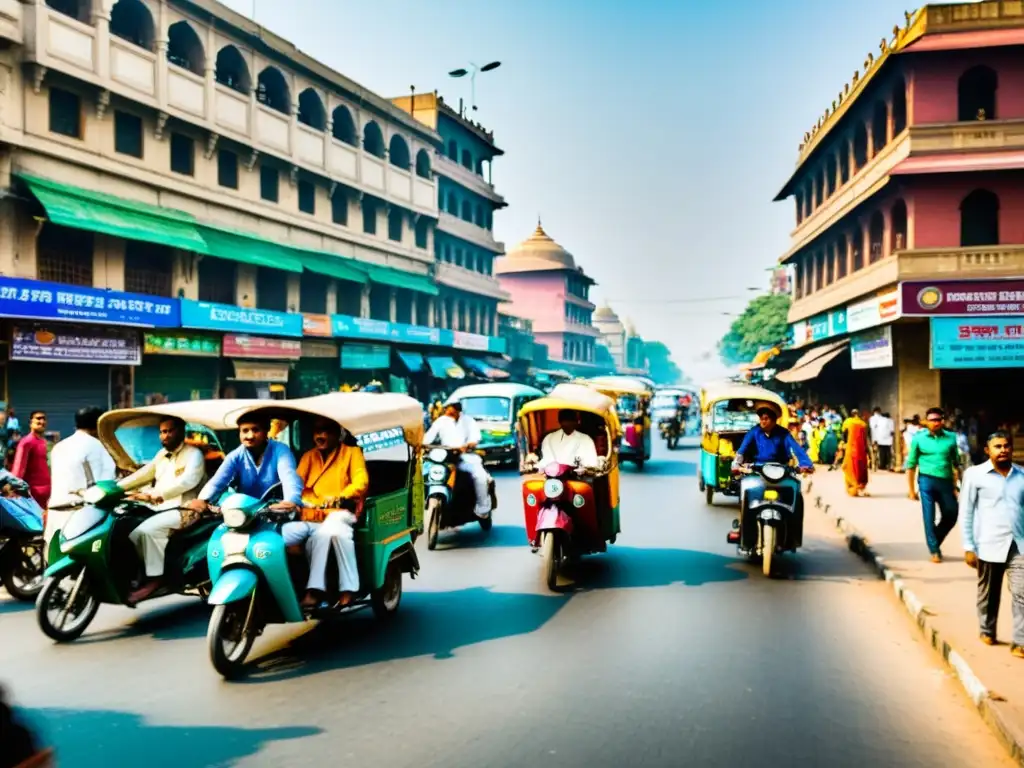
[[651, 135]]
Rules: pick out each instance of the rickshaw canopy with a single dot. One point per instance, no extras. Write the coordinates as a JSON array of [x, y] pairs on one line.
[[756, 395], [540, 417], [619, 385]]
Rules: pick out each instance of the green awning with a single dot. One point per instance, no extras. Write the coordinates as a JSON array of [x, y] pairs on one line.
[[398, 278], [243, 248], [332, 265], [80, 208]]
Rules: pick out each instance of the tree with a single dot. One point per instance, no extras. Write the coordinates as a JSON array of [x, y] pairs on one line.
[[762, 324], [659, 361]]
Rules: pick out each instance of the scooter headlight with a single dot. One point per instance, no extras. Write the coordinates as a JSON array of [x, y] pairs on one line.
[[438, 455], [438, 473], [773, 472], [235, 518], [553, 488]]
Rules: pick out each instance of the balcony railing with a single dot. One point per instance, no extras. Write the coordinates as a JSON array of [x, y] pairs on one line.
[[469, 231], [467, 280], [458, 173]]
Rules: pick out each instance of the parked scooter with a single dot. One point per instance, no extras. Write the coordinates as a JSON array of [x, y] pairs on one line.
[[92, 561], [772, 513], [21, 541], [451, 495]]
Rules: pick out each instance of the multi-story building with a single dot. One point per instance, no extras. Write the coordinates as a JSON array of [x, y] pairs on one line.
[[547, 287], [624, 345], [908, 250], [169, 164]]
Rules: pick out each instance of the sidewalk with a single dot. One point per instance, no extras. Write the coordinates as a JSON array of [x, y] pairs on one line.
[[886, 528]]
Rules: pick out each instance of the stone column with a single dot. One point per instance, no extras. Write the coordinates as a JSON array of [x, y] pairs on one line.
[[393, 305], [294, 296], [161, 56], [444, 314], [364, 301], [185, 275], [431, 312], [414, 310], [332, 297], [101, 42]]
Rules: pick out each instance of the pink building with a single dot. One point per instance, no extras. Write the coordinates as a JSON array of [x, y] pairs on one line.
[[549, 289]]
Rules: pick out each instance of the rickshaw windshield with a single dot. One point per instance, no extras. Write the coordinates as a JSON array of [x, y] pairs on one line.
[[627, 405], [142, 441], [488, 408], [734, 416]]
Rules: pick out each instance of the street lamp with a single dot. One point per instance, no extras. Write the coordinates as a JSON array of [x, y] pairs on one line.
[[462, 72]]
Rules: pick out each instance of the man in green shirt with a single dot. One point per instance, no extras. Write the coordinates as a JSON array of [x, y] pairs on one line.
[[932, 466]]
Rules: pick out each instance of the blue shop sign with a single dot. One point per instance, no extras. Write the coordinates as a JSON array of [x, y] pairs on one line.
[[345, 326], [818, 328], [56, 301], [978, 342], [228, 317]]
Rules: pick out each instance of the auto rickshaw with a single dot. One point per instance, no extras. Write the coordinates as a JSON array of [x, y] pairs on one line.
[[570, 511], [91, 559], [728, 412], [633, 406], [257, 580]]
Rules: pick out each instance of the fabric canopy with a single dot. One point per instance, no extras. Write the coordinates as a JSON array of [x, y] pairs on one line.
[[413, 361], [332, 265], [398, 278], [445, 368], [237, 246], [811, 364], [81, 208], [483, 369]]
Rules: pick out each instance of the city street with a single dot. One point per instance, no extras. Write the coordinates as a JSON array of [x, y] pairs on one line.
[[668, 651]]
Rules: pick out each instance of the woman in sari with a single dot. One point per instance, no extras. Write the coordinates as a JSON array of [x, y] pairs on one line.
[[855, 459], [817, 436]]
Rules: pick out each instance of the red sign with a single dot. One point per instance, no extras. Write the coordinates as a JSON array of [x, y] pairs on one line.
[[316, 325], [258, 347], [955, 298]]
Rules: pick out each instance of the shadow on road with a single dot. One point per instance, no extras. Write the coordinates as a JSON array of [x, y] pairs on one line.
[[662, 467], [471, 536], [94, 738], [429, 624], [631, 567], [179, 621]]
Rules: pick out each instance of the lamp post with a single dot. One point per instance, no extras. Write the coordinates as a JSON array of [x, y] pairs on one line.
[[472, 71]]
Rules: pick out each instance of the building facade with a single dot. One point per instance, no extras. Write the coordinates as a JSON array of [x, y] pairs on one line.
[[908, 252], [624, 345], [547, 287], [180, 182]]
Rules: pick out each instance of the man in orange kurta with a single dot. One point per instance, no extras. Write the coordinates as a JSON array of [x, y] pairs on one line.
[[333, 474]]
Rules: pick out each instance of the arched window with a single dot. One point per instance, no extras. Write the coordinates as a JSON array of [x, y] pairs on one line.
[[453, 151], [979, 219], [478, 217], [879, 126], [976, 94], [898, 216], [373, 139], [839, 249], [860, 147], [467, 159], [398, 152], [184, 48], [423, 164], [844, 164], [131, 20], [422, 228], [232, 71], [467, 210], [395, 218], [899, 107], [830, 175], [830, 266], [76, 9], [311, 110], [876, 236], [453, 204], [344, 127], [272, 91], [858, 249]]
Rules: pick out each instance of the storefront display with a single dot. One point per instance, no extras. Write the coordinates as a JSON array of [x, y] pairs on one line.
[[176, 367]]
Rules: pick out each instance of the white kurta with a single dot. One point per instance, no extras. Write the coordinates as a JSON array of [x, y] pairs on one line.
[[76, 462], [455, 434], [565, 449]]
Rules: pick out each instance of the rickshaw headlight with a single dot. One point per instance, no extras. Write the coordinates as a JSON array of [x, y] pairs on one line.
[[553, 488], [438, 473], [438, 455], [235, 518]]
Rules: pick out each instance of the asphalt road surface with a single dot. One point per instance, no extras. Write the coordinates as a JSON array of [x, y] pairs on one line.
[[668, 651]]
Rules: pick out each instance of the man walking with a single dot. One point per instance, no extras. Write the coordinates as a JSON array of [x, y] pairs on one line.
[[932, 467], [992, 504], [874, 424], [884, 438]]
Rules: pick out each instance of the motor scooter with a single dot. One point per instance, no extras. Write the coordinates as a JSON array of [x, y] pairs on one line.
[[772, 513], [21, 545], [451, 495]]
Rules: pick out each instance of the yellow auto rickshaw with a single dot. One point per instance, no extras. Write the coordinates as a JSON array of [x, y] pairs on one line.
[[570, 510], [728, 412], [633, 405]]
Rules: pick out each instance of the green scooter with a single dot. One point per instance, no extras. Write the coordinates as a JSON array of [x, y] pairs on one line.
[[92, 561]]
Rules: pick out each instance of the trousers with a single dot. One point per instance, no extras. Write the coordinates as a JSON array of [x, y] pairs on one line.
[[474, 466], [937, 491], [151, 537], [334, 532], [990, 589]]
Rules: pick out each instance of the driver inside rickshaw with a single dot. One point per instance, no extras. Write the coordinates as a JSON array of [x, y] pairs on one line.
[[568, 445]]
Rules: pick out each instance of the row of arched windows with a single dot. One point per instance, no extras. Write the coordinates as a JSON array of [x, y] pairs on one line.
[[474, 213], [131, 20]]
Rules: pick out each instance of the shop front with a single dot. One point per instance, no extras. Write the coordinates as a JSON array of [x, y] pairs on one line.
[[176, 366], [317, 371]]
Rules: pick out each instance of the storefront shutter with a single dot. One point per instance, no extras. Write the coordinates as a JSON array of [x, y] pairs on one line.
[[314, 376], [176, 377], [60, 389]]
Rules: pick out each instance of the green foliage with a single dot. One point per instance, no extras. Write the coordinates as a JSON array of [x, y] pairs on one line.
[[762, 324], [659, 360]]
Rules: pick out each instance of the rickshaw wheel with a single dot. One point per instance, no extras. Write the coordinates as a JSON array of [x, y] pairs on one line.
[[709, 495], [385, 601], [549, 552], [433, 523]]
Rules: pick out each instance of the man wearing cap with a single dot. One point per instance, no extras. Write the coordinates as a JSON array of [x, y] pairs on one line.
[[457, 430]]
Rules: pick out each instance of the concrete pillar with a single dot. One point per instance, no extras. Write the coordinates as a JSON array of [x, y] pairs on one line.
[[393, 305], [332, 297], [364, 301], [108, 262], [871, 143], [294, 298], [431, 311], [161, 56], [101, 42], [444, 314], [245, 285], [414, 309], [919, 387]]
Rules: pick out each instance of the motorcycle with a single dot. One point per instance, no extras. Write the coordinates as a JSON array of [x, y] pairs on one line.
[[21, 546], [451, 495], [671, 430], [772, 504], [92, 561]]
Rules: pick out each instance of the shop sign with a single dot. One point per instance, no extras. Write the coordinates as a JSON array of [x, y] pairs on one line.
[[818, 328], [872, 349], [473, 341], [978, 342], [956, 298], [261, 374], [228, 317], [180, 344], [108, 346], [319, 349], [365, 357], [55, 301], [872, 312], [316, 325], [346, 326], [372, 442], [259, 348]]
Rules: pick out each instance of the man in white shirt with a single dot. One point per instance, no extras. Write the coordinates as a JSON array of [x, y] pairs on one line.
[[883, 436], [175, 475], [457, 430], [568, 445], [76, 462], [992, 509]]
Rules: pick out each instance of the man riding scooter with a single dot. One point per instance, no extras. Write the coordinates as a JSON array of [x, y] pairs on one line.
[[458, 430], [767, 443]]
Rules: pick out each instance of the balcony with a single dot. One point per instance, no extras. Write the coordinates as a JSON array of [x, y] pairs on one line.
[[10, 21], [462, 279], [468, 231], [90, 54], [463, 176], [986, 262]]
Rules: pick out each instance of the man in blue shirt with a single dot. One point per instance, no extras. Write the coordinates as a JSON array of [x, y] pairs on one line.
[[992, 507]]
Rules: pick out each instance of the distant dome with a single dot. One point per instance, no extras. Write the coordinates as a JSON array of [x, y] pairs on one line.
[[540, 247], [604, 313]]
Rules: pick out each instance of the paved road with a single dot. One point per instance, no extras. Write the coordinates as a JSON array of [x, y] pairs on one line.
[[671, 652]]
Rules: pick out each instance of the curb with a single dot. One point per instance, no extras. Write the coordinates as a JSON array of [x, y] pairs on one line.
[[988, 704]]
